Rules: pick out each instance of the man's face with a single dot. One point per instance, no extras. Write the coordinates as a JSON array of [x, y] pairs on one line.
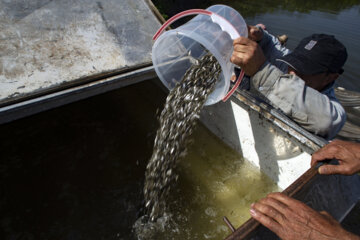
[[317, 81]]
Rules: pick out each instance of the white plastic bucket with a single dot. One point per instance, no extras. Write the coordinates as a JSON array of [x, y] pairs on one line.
[[214, 29]]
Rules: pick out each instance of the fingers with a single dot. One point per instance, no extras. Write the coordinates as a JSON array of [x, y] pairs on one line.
[[286, 217], [248, 55], [328, 169], [243, 41], [269, 207], [327, 152], [292, 208], [268, 212], [241, 48], [240, 57], [240, 40], [268, 222], [320, 155], [337, 150], [334, 149], [240, 51], [261, 25], [237, 59], [284, 199], [291, 219], [254, 32], [335, 169]]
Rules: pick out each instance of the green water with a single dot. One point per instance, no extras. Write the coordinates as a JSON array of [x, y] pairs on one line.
[[77, 172], [214, 181]]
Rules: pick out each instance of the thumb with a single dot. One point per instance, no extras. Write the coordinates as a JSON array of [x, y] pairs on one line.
[[329, 169]]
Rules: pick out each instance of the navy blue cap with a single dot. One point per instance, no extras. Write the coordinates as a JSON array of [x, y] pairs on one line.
[[316, 54]]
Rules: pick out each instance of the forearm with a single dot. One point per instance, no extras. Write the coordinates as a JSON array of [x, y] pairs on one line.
[[311, 109], [273, 50]]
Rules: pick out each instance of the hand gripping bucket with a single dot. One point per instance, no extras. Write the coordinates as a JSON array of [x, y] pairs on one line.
[[213, 29]]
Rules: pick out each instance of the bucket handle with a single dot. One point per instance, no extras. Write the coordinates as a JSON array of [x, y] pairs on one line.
[[221, 21]]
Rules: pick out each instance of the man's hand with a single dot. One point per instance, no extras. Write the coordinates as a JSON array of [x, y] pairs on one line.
[[248, 55], [255, 33], [347, 153], [291, 219]]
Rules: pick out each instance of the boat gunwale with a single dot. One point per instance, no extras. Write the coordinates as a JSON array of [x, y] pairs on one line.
[[311, 141]]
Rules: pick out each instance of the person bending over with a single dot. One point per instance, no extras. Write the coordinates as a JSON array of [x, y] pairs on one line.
[[300, 83]]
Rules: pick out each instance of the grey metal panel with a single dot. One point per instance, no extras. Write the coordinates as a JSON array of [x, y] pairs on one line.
[[59, 98], [48, 44]]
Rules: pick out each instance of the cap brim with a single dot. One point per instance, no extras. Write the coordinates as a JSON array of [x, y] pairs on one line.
[[302, 64]]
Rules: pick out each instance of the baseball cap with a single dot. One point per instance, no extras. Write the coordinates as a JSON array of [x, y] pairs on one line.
[[316, 54]]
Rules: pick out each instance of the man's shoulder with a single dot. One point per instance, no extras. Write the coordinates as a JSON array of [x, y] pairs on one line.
[[330, 92]]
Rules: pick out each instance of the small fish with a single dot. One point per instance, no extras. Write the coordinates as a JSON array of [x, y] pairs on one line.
[[177, 121]]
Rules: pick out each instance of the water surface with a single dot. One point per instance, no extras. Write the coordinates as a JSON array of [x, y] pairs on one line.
[[77, 172]]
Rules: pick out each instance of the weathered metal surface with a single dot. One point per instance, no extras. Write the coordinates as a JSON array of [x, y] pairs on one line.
[[59, 98], [51, 44]]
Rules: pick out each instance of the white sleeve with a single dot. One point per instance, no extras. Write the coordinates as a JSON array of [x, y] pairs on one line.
[[312, 110]]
